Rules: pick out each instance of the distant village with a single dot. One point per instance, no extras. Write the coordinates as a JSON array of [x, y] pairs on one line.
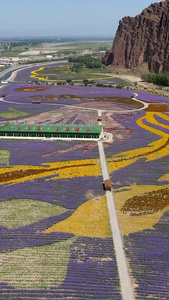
[[32, 55]]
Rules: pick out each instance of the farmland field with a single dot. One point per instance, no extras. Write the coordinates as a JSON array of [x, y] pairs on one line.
[[61, 72], [56, 241]]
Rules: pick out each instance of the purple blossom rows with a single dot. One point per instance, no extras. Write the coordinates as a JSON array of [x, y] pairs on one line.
[[91, 277], [83, 277], [92, 270], [150, 249], [24, 75]]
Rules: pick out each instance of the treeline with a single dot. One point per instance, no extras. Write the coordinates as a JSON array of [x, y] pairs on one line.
[[157, 78], [87, 60], [11, 45], [24, 43]]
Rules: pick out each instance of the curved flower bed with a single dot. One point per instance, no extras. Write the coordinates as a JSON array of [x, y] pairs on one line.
[[78, 272], [140, 178], [66, 246]]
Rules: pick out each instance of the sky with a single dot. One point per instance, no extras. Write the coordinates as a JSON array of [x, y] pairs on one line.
[[66, 18]]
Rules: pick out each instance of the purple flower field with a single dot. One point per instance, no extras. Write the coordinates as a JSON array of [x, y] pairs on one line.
[[85, 274], [63, 265], [152, 272], [83, 281], [24, 74]]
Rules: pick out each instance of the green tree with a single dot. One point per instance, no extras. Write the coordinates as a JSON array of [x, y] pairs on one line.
[[86, 82], [157, 78], [69, 81], [87, 60], [77, 68]]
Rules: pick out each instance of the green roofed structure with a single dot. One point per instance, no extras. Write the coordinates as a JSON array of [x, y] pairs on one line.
[[51, 131]]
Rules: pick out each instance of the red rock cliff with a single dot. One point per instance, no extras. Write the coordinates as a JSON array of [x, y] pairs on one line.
[[144, 38]]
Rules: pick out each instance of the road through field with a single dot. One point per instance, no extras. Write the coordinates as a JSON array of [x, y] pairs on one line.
[[125, 281]]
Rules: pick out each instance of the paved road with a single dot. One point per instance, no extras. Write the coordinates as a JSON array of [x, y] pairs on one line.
[[125, 281], [5, 74]]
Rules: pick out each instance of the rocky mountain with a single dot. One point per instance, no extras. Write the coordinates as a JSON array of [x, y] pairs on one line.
[[144, 38]]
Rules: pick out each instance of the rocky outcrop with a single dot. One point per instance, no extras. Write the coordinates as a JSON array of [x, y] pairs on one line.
[[144, 38]]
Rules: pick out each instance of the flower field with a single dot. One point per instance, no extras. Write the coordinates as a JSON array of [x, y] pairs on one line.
[[55, 236], [140, 173], [62, 72], [31, 202], [25, 74]]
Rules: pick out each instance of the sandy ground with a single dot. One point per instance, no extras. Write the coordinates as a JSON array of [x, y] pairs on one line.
[[134, 79], [36, 52], [128, 77]]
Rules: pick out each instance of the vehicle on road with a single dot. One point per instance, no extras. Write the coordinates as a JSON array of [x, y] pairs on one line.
[[107, 185]]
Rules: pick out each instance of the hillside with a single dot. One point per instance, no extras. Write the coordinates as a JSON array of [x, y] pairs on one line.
[[142, 39]]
